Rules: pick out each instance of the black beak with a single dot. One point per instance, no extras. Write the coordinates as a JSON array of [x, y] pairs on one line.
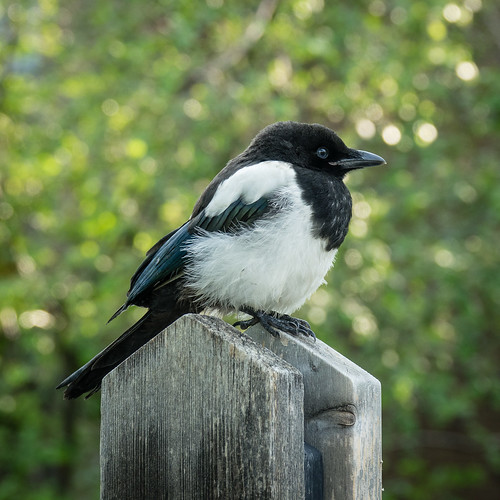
[[359, 159]]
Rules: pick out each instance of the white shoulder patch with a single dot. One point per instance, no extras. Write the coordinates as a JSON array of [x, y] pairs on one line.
[[251, 183]]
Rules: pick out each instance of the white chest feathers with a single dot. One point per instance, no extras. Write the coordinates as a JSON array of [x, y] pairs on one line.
[[274, 265]]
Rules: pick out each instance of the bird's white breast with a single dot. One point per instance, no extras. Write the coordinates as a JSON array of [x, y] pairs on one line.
[[274, 265]]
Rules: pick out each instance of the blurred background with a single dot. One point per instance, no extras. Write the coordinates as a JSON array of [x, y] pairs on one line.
[[115, 115]]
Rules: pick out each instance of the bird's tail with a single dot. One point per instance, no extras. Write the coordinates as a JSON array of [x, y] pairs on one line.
[[88, 378]]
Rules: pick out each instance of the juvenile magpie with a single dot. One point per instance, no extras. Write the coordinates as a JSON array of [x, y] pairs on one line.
[[260, 241]]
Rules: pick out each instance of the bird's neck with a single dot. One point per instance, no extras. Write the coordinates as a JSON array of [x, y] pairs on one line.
[[331, 204]]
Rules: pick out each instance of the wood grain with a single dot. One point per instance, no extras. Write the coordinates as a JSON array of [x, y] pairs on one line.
[[202, 411], [342, 411]]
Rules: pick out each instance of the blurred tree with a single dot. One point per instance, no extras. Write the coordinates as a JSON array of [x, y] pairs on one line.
[[115, 115]]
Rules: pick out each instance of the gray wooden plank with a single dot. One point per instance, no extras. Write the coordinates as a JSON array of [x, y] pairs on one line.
[[202, 411], [342, 411]]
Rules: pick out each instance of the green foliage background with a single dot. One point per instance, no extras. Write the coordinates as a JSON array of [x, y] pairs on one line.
[[114, 116]]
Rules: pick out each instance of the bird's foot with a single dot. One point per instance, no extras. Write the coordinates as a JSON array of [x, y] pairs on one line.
[[273, 322]]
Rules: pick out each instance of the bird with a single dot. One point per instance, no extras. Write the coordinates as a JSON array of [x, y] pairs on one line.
[[259, 242]]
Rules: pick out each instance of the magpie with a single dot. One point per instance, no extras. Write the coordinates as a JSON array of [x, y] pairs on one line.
[[259, 241]]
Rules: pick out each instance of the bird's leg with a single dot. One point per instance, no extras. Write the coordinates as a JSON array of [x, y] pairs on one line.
[[272, 322]]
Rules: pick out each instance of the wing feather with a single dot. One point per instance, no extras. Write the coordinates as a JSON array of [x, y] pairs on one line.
[[165, 261]]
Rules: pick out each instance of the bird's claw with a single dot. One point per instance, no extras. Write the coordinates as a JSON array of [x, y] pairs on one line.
[[274, 322], [244, 324]]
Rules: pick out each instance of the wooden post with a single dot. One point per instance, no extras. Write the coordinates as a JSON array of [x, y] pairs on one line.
[[342, 412], [203, 411]]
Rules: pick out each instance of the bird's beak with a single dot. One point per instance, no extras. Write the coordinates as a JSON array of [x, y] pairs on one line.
[[359, 159]]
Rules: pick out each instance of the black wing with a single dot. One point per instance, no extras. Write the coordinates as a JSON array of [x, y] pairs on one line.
[[165, 260]]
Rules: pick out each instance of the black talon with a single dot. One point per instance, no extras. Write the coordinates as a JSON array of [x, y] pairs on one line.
[[266, 323], [272, 322], [246, 323], [300, 325]]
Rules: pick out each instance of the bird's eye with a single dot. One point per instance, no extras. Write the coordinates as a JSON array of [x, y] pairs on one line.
[[322, 153]]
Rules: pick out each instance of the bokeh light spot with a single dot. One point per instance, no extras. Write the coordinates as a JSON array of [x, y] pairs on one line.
[[192, 108], [452, 13], [427, 132], [437, 31], [365, 128], [36, 318], [136, 148], [444, 258], [391, 135], [110, 107], [466, 70]]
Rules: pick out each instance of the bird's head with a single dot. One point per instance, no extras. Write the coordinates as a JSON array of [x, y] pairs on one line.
[[312, 146]]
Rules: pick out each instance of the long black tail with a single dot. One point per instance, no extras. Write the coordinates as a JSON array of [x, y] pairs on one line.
[[88, 378]]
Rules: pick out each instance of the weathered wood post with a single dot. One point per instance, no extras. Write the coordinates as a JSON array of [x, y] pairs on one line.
[[203, 411], [342, 415]]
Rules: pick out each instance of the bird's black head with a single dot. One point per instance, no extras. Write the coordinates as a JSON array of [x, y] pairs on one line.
[[311, 146]]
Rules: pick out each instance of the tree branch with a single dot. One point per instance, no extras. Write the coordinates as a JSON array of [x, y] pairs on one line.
[[233, 55]]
